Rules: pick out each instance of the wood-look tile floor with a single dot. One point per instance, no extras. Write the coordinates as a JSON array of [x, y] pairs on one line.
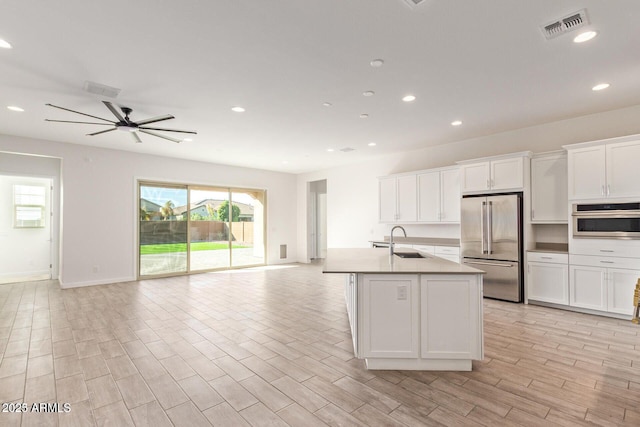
[[271, 347]]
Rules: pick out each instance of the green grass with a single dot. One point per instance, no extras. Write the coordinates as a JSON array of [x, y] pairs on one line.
[[165, 248]]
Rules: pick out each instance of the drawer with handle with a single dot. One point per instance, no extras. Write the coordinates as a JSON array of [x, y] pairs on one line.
[[607, 262], [551, 257]]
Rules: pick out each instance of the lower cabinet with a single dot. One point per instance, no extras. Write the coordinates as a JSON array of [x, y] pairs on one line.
[[548, 277], [588, 287], [620, 287], [419, 321], [451, 322], [351, 298], [606, 288], [390, 315]]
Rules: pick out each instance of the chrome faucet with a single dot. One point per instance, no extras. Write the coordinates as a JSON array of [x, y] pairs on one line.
[[391, 238]]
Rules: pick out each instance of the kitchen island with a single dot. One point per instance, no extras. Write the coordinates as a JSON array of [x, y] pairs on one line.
[[411, 313]]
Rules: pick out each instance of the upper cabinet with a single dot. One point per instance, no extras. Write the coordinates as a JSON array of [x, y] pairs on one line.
[[429, 196], [549, 201], [439, 195], [398, 198], [604, 169], [493, 174]]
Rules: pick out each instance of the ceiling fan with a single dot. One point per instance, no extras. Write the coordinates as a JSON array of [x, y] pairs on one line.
[[125, 124]]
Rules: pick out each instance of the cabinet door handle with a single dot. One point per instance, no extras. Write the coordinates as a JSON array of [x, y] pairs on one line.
[[608, 189], [546, 257], [607, 262], [488, 184], [606, 250], [602, 190], [533, 214]]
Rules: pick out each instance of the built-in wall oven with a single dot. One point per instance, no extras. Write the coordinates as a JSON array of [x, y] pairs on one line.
[[608, 220]]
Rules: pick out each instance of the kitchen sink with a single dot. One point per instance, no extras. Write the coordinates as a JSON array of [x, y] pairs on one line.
[[409, 255]]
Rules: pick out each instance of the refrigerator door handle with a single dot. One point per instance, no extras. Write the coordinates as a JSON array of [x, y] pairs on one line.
[[490, 228], [482, 234], [489, 263]]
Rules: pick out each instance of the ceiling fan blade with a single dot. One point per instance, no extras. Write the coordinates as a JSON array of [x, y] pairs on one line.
[[114, 111], [168, 130], [102, 131], [159, 136], [136, 138], [78, 112], [155, 119], [84, 123]]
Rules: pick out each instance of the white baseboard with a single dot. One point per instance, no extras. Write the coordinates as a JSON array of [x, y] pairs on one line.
[[25, 276], [69, 285]]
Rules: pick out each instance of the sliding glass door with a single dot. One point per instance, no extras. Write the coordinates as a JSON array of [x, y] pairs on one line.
[[209, 247], [247, 223], [186, 229], [163, 230]]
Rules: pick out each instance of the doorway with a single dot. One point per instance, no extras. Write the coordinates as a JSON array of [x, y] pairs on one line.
[[318, 219], [25, 228]]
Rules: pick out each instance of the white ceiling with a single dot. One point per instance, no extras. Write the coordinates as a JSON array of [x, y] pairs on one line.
[[484, 62]]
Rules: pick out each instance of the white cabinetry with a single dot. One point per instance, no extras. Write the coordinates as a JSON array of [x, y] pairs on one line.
[[390, 309], [439, 195], [453, 301], [351, 298], [398, 198], [603, 283], [604, 169], [548, 277], [549, 200], [494, 174]]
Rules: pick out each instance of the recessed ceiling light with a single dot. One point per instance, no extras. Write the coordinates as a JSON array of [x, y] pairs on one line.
[[188, 139], [327, 104], [601, 86], [371, 144], [5, 44], [585, 36], [238, 109], [377, 63], [368, 93], [364, 116], [331, 150], [15, 108], [409, 98], [284, 162], [456, 123]]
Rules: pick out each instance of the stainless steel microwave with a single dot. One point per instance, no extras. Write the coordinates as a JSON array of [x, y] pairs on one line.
[[608, 220]]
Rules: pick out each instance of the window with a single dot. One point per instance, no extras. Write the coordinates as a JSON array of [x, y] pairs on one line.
[[29, 206]]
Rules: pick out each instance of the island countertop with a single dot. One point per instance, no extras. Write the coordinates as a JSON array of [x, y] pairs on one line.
[[377, 260]]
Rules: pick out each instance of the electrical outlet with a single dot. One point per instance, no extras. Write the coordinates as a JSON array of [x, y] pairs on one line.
[[402, 293]]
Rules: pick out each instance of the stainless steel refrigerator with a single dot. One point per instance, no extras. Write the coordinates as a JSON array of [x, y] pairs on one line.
[[491, 240]]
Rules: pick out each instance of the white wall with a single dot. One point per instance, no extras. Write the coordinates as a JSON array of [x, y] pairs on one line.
[[352, 191], [100, 208]]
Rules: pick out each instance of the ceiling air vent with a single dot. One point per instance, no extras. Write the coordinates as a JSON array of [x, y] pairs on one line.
[[347, 149], [100, 89], [566, 24]]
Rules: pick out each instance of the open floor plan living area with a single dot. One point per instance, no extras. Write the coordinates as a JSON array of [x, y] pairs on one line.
[[271, 346]]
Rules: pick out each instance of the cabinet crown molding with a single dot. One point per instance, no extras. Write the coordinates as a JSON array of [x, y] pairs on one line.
[[498, 157], [627, 138]]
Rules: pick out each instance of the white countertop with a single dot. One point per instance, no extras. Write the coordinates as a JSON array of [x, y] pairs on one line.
[[377, 260]]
